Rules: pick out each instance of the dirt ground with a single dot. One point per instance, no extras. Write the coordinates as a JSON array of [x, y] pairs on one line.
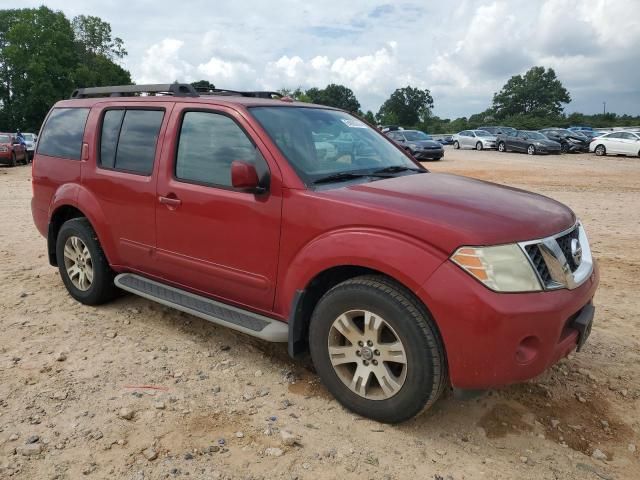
[[135, 390]]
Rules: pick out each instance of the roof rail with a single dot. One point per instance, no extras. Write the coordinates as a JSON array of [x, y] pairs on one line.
[[224, 91], [175, 89]]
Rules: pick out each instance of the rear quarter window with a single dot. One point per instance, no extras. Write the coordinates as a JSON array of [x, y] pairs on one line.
[[63, 132]]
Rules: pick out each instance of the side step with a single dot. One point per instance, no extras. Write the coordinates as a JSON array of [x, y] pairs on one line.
[[242, 320]]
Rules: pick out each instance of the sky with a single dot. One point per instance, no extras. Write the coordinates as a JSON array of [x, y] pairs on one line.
[[463, 51]]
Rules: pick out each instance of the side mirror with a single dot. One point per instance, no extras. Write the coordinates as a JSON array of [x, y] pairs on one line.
[[245, 177]]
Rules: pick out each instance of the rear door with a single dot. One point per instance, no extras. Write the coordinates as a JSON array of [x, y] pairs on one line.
[[614, 143], [213, 238], [126, 151]]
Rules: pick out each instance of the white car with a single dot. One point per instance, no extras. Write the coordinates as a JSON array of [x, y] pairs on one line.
[[478, 139], [616, 143]]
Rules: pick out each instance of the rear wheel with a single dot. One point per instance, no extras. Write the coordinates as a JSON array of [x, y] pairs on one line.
[[456, 145], [479, 146], [376, 349], [502, 147], [531, 150], [600, 150], [83, 266]]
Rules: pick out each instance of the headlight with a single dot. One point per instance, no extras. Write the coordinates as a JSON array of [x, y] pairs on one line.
[[413, 146], [4, 149], [504, 268]]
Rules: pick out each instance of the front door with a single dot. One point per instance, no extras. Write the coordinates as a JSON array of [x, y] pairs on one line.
[[212, 238]]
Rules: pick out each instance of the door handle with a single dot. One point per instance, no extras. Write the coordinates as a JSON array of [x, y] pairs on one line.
[[170, 201]]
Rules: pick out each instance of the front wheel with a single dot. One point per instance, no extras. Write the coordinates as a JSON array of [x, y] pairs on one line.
[[600, 150], [502, 147], [377, 350], [564, 147], [531, 150], [456, 145], [83, 266], [479, 146]]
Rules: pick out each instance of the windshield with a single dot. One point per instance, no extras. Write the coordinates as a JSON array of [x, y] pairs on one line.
[[535, 135], [5, 139], [319, 142], [28, 136], [483, 133], [415, 135]]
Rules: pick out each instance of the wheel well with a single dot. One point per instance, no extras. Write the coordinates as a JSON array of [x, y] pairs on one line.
[[305, 302], [61, 215]]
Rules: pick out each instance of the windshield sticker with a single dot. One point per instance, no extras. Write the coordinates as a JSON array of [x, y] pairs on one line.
[[353, 123]]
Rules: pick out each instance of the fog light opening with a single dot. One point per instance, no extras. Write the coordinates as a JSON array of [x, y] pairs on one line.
[[528, 349]]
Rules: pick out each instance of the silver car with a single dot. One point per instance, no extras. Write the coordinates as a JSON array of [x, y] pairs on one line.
[[478, 139]]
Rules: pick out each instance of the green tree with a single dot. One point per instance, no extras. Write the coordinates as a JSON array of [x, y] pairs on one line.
[[333, 95], [94, 35], [406, 106], [203, 85], [370, 117], [538, 92], [42, 61]]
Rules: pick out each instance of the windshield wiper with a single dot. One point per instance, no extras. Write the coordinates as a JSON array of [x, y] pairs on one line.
[[398, 169], [341, 176]]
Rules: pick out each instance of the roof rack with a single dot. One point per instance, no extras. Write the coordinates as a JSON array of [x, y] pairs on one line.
[[175, 89]]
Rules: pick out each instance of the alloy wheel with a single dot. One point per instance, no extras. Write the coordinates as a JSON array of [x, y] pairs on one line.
[[600, 150], [531, 149], [367, 354], [501, 147], [78, 263]]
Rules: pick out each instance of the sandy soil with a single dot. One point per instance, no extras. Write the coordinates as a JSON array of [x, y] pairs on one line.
[[135, 390]]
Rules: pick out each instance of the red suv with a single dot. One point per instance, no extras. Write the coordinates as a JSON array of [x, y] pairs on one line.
[[300, 223], [11, 150]]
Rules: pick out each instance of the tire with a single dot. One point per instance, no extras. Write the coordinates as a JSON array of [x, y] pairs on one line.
[[413, 384], [502, 147], [600, 150], [13, 162], [479, 146], [78, 239], [456, 145], [564, 147], [531, 150]]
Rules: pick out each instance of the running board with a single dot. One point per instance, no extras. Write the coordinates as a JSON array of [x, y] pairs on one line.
[[219, 313]]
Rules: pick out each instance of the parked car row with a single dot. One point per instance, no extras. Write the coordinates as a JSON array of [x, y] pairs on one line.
[[553, 140]]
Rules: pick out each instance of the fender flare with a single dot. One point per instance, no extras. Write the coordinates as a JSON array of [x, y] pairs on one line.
[[407, 260], [81, 199]]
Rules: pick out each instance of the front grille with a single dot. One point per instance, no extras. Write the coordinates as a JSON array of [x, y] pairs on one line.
[[565, 245], [538, 262]]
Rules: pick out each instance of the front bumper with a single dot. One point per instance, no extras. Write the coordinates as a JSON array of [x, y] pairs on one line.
[[429, 154], [495, 339], [547, 149], [489, 145]]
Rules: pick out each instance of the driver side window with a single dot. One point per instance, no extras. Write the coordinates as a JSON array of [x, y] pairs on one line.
[[208, 144]]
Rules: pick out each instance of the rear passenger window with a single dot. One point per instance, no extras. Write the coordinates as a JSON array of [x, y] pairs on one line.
[[208, 144], [128, 140], [63, 132]]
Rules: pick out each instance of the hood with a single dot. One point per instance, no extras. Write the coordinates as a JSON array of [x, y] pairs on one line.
[[450, 211]]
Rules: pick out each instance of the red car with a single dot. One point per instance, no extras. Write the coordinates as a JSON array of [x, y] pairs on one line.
[[12, 151], [299, 223]]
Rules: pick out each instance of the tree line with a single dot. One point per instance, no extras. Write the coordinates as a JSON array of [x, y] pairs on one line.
[[44, 56], [530, 101]]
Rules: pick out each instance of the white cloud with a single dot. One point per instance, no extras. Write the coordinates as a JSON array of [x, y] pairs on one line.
[[162, 63], [462, 50]]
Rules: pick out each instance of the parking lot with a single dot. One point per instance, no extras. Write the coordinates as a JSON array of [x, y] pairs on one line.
[[136, 390]]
